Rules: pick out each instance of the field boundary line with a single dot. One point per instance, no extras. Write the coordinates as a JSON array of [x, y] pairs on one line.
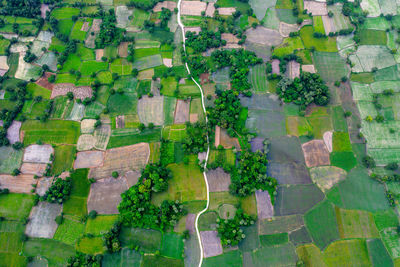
[[196, 224]]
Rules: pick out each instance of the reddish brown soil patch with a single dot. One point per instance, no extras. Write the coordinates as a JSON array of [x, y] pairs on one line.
[[316, 153], [204, 78], [17, 184], [33, 168], [182, 111], [166, 4], [228, 142], [89, 159], [99, 54], [123, 49], [80, 92], [44, 81]]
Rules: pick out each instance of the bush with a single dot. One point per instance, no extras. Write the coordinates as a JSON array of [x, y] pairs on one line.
[[115, 174], [92, 214], [59, 219], [392, 166], [369, 162]]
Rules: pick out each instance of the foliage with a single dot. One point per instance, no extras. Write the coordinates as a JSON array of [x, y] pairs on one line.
[[136, 208], [239, 62], [369, 162], [23, 8], [204, 40], [58, 191], [196, 139], [111, 238], [226, 110], [251, 174], [307, 89], [81, 259], [229, 230], [109, 33]]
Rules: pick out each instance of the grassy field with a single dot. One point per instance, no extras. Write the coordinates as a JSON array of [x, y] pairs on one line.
[[10, 159], [341, 142], [258, 78], [320, 44], [69, 231], [10, 201], [56, 252], [356, 224], [353, 252], [372, 37], [330, 66], [148, 241], [75, 206], [63, 158], [275, 239], [318, 24], [51, 132], [64, 13], [232, 258], [101, 224], [172, 246], [344, 160], [122, 139], [288, 46], [91, 246]]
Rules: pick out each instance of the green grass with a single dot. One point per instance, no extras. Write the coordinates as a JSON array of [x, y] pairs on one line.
[[13, 259], [172, 246], [288, 46], [10, 202], [4, 43], [330, 66], [318, 24], [144, 52], [147, 135], [65, 78], [275, 239], [101, 224], [169, 108], [104, 77], [63, 158], [57, 45], [65, 26], [10, 242], [258, 78], [103, 94], [10, 159], [80, 183], [76, 206], [89, 67], [121, 66], [321, 224], [122, 103], [51, 132], [338, 119], [378, 253], [372, 37], [76, 33], [151, 260], [56, 252], [232, 258], [341, 142], [385, 219], [37, 90], [320, 44], [85, 53], [64, 12], [91, 246], [344, 160], [139, 17], [352, 252], [168, 86], [69, 231], [356, 224], [310, 255], [73, 62], [148, 240]]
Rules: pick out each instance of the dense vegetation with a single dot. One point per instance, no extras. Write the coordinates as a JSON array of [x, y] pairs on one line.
[[196, 140], [23, 8], [136, 208], [59, 191], [81, 259], [109, 33], [251, 174], [204, 40], [111, 238], [307, 89], [230, 230]]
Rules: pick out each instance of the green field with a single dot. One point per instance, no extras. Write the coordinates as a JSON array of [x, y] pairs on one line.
[[148, 240], [258, 78], [372, 37], [172, 246], [69, 231], [63, 158], [341, 142], [51, 132], [64, 13], [101, 224], [9, 202], [56, 252], [10, 159], [320, 44]]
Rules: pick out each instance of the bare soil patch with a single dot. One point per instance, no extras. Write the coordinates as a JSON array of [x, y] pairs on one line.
[[99, 54], [226, 11], [44, 81], [38, 153], [329, 24], [217, 135], [43, 9], [85, 142], [166, 4], [132, 177], [190, 220], [229, 38], [285, 29], [85, 26], [43, 184], [211, 243], [151, 110], [105, 195], [80, 92], [316, 8], [146, 74], [218, 180], [264, 36], [204, 78], [328, 140], [308, 68], [123, 49], [13, 132], [3, 63], [210, 10], [122, 160], [120, 121], [193, 8], [265, 210], [33, 168], [294, 69], [228, 142], [275, 66], [315, 153], [167, 62], [89, 42], [182, 111], [87, 126], [193, 118], [89, 159], [2, 72], [17, 184], [42, 220]]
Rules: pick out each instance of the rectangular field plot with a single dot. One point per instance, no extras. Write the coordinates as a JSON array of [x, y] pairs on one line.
[[15, 206], [101, 224], [69, 231], [51, 132], [231, 258], [10, 159], [353, 252], [148, 240], [330, 66], [378, 253], [125, 257], [258, 78], [321, 224], [356, 224], [148, 62], [280, 224], [283, 255], [371, 56]]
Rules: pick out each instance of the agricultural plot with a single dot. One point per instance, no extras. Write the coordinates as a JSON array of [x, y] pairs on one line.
[[356, 224], [296, 199], [56, 252], [120, 160], [265, 210], [100, 224], [263, 36], [8, 202], [325, 177], [372, 7], [218, 180], [38, 153], [89, 159], [232, 258], [316, 153], [283, 255], [69, 231], [372, 56], [148, 240], [258, 78], [125, 257], [320, 44], [330, 66], [148, 62], [42, 220], [33, 168], [150, 110], [20, 184], [10, 159], [26, 71], [353, 252], [378, 254], [51, 132]]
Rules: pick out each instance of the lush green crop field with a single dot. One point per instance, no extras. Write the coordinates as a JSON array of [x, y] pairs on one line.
[[56, 252], [100, 224], [344, 160], [63, 158], [147, 240], [65, 12], [372, 37], [341, 142], [69, 231], [89, 67], [172, 246], [320, 44], [232, 258], [9, 202]]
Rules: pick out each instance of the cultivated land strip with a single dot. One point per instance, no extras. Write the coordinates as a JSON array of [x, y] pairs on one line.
[[208, 142]]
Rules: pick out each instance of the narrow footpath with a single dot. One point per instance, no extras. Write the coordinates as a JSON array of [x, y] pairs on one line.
[[208, 141]]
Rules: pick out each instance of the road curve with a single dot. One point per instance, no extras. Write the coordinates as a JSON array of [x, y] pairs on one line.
[[208, 141]]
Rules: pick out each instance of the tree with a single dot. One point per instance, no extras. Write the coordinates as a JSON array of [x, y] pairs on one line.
[[369, 162], [230, 230], [59, 191]]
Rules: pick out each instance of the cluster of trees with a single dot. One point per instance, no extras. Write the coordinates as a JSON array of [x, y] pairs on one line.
[[386, 178], [145, 5], [21, 8], [29, 56], [197, 64], [109, 33], [239, 62], [8, 116], [165, 16], [111, 238], [196, 140], [309, 88], [59, 191], [230, 230], [251, 174], [204, 40], [81, 259], [225, 112], [136, 208]]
